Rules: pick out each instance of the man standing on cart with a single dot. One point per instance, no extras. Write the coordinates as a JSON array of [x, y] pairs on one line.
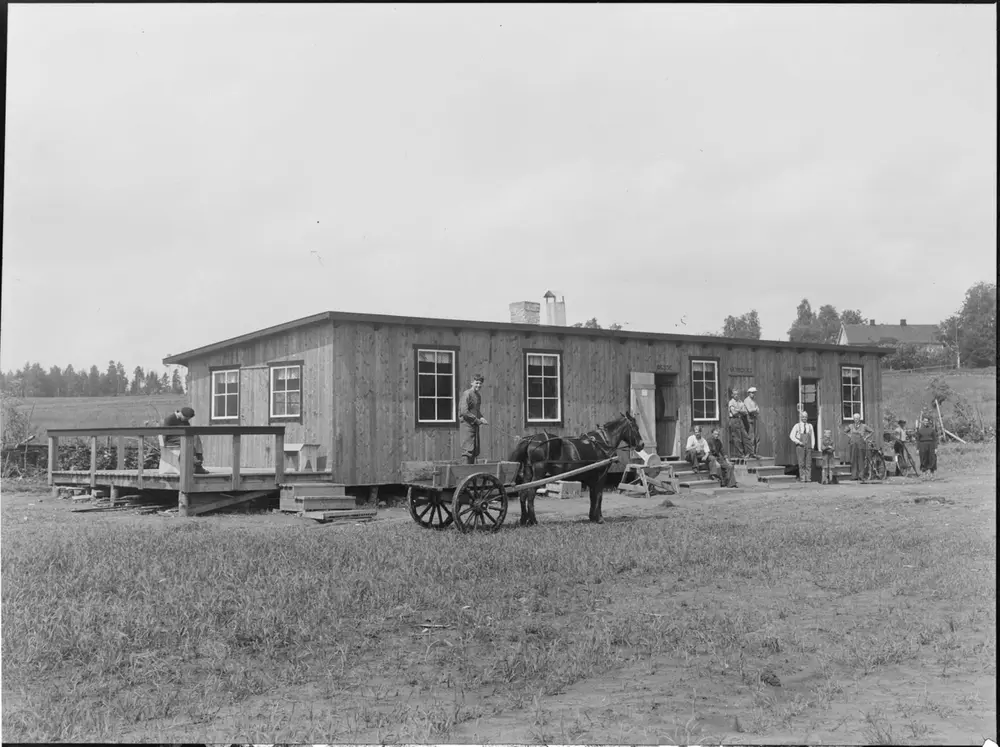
[[470, 418]]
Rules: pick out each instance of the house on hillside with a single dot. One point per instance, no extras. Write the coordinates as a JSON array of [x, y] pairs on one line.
[[925, 336], [364, 392]]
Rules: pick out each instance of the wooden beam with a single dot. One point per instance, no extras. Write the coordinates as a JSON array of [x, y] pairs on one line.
[[187, 463], [236, 461], [183, 504], [53, 457], [279, 458], [226, 500], [93, 462], [120, 447], [141, 458]]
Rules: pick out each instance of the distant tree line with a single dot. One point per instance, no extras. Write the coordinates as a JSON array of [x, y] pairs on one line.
[[34, 381]]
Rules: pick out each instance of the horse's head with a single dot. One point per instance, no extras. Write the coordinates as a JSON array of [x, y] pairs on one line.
[[631, 434]]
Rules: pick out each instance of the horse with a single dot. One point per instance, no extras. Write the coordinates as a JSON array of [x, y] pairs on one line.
[[545, 454]]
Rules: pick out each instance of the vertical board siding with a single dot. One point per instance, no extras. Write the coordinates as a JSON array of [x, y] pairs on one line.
[[359, 399]]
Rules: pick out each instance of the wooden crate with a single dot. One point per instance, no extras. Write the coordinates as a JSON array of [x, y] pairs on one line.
[[565, 489]]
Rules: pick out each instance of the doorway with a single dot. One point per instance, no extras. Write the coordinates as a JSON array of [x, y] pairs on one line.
[[809, 400], [667, 406]]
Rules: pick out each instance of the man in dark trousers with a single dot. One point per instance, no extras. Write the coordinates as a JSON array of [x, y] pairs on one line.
[[170, 448], [718, 465], [470, 418]]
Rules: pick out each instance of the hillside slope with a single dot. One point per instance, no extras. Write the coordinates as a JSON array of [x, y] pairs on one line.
[[100, 412], [906, 393]]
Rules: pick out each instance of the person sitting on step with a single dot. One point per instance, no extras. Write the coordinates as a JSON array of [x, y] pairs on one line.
[[697, 450], [719, 465]]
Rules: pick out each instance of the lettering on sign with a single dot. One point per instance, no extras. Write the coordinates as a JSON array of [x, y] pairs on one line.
[[737, 371], [809, 368], [664, 367]]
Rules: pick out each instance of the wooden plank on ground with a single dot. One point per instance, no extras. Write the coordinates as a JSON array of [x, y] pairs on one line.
[[226, 500], [323, 517]]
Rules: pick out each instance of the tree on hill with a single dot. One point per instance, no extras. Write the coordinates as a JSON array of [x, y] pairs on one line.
[[176, 387], [71, 383], [746, 326], [164, 383], [971, 333], [152, 385], [94, 382], [138, 379], [822, 327]]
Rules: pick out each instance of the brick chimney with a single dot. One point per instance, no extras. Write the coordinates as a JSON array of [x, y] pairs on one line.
[[525, 312], [871, 322], [902, 322]]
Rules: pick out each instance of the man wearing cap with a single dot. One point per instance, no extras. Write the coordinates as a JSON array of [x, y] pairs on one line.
[[737, 428], [753, 411], [170, 446], [470, 418], [804, 438]]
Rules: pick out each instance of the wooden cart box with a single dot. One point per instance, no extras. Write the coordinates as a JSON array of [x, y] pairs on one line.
[[450, 473], [315, 496]]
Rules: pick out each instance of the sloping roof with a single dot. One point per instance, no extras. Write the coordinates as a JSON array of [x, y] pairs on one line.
[[873, 334], [411, 321]]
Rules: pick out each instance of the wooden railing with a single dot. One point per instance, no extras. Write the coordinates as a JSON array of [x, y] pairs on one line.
[[187, 435]]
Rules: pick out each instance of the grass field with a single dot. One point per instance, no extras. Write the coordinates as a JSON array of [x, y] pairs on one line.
[[843, 614], [100, 412], [906, 394]]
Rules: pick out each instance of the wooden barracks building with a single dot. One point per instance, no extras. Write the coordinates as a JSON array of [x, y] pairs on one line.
[[361, 393]]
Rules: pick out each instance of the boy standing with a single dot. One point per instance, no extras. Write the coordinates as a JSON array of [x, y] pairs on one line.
[[828, 456]]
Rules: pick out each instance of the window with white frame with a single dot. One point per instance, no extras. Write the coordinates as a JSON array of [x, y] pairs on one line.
[[286, 391], [226, 394], [851, 392], [704, 391], [543, 387], [435, 386]]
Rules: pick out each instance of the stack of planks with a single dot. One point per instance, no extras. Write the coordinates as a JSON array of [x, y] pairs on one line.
[[323, 502]]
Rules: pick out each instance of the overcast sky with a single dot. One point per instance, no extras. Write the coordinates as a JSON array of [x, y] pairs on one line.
[[176, 175]]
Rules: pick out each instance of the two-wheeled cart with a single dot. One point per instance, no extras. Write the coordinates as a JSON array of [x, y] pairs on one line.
[[472, 496]]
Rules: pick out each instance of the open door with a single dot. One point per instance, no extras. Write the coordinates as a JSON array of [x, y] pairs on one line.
[[667, 410], [642, 402], [809, 401]]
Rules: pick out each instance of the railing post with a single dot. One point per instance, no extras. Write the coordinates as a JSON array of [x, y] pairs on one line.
[[279, 458], [236, 461], [120, 446], [140, 458], [93, 462], [53, 463], [187, 465]]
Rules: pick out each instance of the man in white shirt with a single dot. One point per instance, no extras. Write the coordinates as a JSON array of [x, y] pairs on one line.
[[753, 412], [804, 438], [696, 451]]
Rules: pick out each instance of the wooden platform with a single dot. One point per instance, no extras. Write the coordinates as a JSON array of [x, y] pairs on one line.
[[214, 482]]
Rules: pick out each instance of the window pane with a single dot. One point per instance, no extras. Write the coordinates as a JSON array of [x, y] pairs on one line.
[[294, 378], [550, 388], [294, 403], [220, 384], [425, 409], [698, 409], [218, 407], [425, 356], [534, 387], [443, 385], [444, 409], [425, 386], [550, 365], [551, 409], [279, 403], [534, 409], [444, 359], [232, 407]]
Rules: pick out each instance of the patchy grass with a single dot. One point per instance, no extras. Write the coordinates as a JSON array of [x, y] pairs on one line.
[[906, 394], [212, 628]]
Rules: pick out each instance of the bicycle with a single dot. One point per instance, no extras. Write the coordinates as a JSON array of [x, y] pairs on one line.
[[874, 466]]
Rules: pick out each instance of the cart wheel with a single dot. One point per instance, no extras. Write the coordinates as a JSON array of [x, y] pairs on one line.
[[480, 503], [429, 508]]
